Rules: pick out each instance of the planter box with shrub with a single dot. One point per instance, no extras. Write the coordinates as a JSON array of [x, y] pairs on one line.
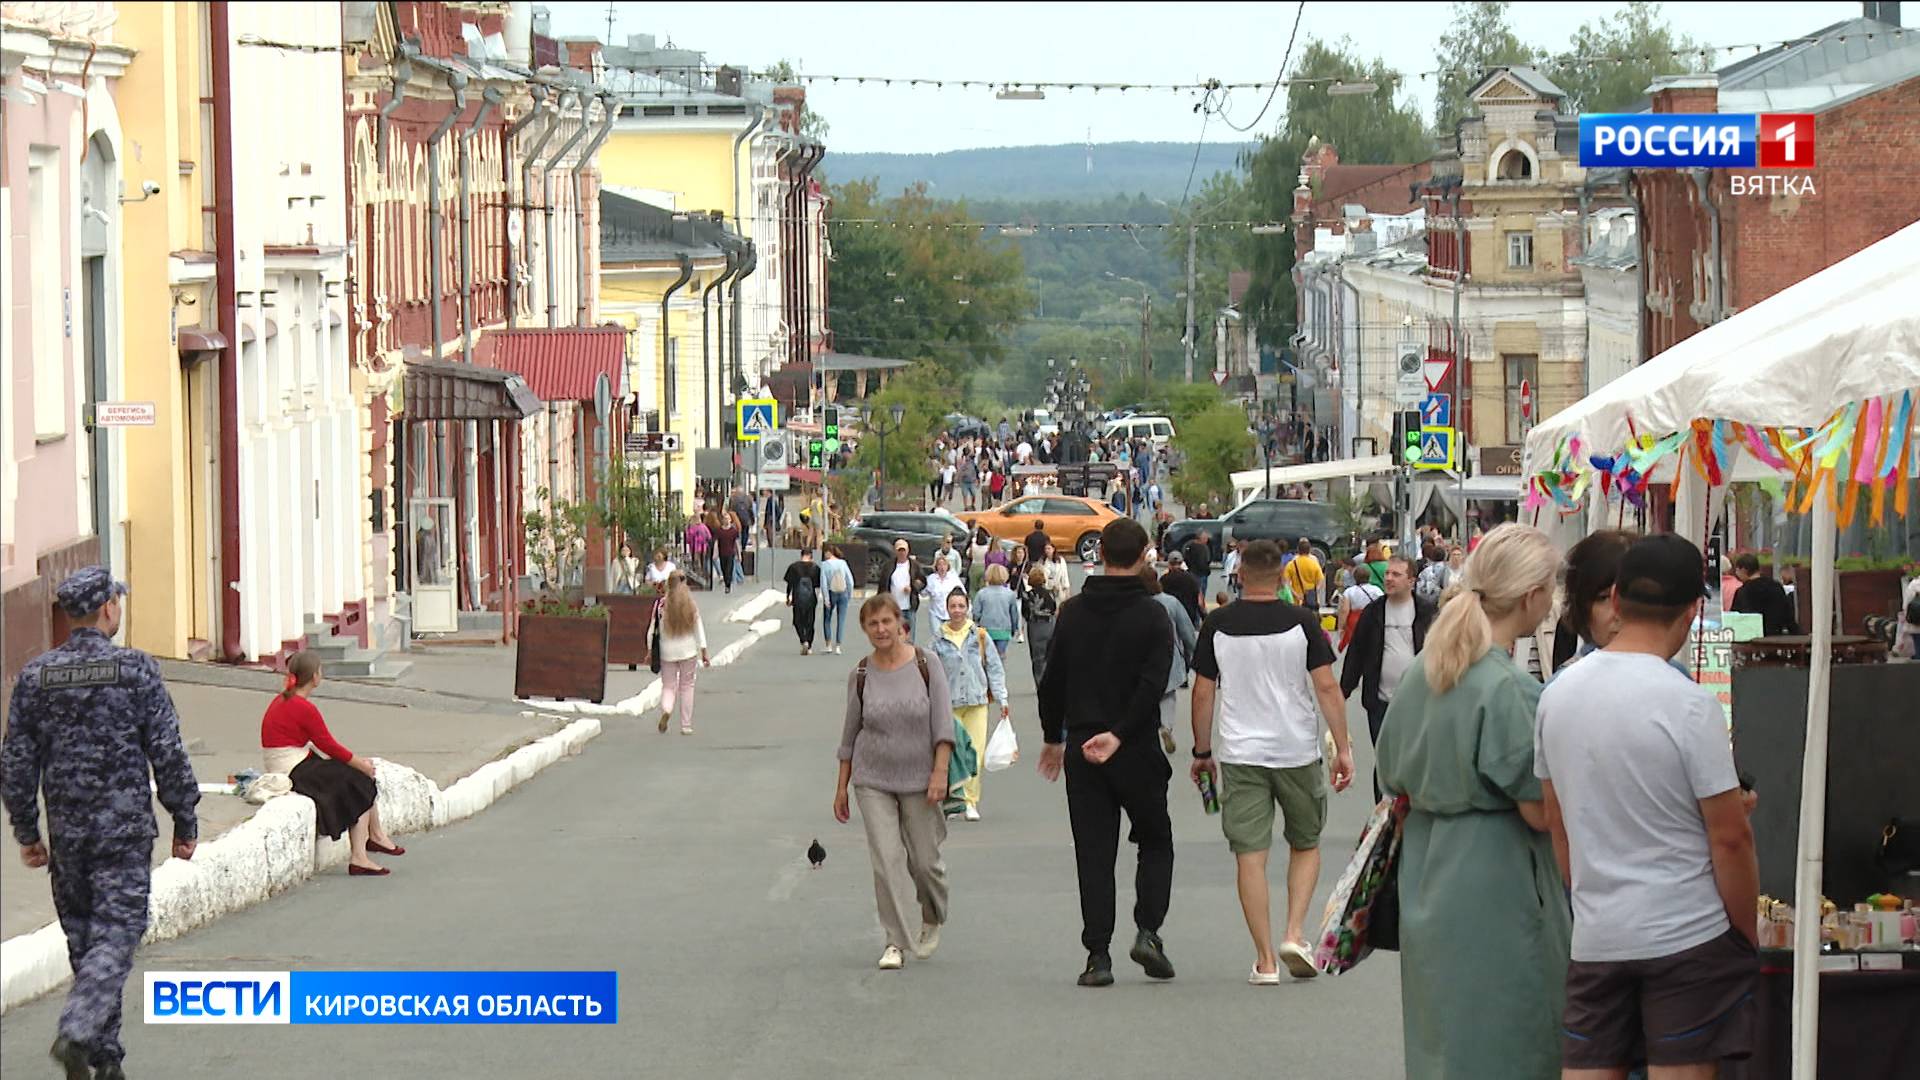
[[562, 653]]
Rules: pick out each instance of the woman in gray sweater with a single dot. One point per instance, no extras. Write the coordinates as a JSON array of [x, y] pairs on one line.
[[894, 750], [1184, 639]]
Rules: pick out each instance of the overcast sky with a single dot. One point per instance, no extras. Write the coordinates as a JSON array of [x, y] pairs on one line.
[[1141, 42]]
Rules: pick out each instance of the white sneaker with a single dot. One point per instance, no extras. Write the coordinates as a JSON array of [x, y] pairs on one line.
[[1298, 960], [929, 940], [1256, 977], [971, 813], [892, 959]]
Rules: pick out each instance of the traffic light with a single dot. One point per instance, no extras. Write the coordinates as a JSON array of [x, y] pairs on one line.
[[1406, 435], [830, 428], [815, 448]]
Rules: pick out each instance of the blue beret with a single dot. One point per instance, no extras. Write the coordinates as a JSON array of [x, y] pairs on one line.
[[86, 589]]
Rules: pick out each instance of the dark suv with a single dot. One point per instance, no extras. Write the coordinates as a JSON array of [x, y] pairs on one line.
[[1284, 521], [921, 529]]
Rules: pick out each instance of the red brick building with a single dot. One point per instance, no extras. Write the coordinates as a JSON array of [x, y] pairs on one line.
[[1779, 226]]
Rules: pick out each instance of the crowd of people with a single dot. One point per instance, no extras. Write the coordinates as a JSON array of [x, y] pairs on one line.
[[1603, 926], [979, 471]]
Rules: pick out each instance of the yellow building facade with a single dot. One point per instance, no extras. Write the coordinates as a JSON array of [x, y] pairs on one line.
[[167, 255]]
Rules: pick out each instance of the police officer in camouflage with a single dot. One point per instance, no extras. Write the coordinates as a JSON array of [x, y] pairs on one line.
[[87, 721]]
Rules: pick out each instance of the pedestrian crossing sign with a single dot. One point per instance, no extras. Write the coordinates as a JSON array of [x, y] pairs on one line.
[[756, 417], [1436, 448]]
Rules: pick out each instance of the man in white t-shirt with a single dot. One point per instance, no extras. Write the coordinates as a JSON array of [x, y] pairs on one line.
[[1270, 667], [904, 583], [1022, 452], [1386, 636], [1649, 826]]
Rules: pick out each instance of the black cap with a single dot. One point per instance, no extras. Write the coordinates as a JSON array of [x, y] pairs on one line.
[[1664, 570]]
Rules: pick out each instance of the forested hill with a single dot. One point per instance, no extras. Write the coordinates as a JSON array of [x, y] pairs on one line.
[[1074, 171]]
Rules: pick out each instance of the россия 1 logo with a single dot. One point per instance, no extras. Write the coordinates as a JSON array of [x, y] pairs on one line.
[[1697, 141]]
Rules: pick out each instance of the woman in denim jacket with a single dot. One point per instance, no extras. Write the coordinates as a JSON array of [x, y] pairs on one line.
[[997, 609], [975, 678]]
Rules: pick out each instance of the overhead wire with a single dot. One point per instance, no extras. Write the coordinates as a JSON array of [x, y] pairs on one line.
[[1278, 79]]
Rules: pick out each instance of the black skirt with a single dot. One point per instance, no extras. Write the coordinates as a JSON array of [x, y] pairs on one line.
[[340, 792]]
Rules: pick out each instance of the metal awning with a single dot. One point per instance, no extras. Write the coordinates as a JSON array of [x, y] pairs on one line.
[[448, 390], [198, 345], [563, 364]]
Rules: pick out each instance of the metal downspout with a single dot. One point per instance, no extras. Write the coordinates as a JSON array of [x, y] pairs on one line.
[[751, 261], [706, 354], [666, 372], [612, 109], [783, 164], [526, 197], [811, 161], [746, 133], [748, 260], [489, 99], [1359, 356], [437, 218], [402, 74], [546, 186], [225, 284]]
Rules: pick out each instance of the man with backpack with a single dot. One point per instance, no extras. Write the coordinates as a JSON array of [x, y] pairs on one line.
[[1386, 637]]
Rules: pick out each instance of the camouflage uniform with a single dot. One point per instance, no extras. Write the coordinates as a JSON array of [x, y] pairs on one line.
[[88, 718]]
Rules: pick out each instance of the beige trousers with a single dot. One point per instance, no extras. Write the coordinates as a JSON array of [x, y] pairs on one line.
[[904, 835]]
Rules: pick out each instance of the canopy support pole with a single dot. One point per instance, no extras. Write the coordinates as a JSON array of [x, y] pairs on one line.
[[1813, 805]]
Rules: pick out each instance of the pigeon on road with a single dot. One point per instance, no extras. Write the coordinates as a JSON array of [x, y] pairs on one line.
[[816, 854]]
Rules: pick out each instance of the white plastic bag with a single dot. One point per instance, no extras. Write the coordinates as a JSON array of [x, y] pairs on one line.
[[1003, 749]]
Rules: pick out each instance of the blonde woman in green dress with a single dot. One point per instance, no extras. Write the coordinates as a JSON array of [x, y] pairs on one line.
[[1484, 922]]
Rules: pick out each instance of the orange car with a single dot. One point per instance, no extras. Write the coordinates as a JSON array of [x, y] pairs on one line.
[[1071, 522]]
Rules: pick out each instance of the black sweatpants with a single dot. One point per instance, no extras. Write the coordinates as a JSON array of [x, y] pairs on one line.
[[1134, 779], [1376, 716]]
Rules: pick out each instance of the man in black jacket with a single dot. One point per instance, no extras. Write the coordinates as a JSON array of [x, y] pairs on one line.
[[1761, 595], [1100, 718], [1037, 542], [1389, 633]]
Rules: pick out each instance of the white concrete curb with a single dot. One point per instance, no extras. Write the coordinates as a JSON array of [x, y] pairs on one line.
[[746, 612], [277, 848]]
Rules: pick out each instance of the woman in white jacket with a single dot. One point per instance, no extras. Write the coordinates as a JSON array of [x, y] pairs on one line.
[[683, 648], [941, 583], [1058, 583]]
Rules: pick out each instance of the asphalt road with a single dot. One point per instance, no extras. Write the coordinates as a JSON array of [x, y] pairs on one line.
[[679, 862]]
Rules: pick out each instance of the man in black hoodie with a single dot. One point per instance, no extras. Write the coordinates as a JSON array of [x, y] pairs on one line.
[[1100, 714]]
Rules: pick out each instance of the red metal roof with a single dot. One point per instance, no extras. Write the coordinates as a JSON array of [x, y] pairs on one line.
[[562, 365]]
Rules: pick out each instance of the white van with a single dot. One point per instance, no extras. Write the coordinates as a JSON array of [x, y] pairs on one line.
[[1155, 429]]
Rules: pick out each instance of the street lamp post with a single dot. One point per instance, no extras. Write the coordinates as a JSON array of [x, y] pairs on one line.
[[899, 413]]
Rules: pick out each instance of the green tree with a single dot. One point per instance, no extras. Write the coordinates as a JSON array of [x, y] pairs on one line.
[[923, 391], [926, 285], [1365, 129], [1213, 444], [1646, 46], [1479, 38]]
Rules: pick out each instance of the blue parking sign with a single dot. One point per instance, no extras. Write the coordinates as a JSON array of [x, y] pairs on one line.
[[1436, 411]]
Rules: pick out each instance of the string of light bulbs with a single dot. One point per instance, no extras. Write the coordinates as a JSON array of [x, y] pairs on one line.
[[1206, 86]]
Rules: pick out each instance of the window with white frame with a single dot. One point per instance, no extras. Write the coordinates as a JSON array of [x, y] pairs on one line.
[[1519, 250]]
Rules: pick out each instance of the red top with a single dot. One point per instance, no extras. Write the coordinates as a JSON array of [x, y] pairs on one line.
[[295, 721]]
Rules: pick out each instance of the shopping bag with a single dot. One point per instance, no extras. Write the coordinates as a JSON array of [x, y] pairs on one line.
[[1003, 748], [1363, 913]]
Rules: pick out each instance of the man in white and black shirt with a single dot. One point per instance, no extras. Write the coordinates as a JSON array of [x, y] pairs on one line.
[[1270, 667]]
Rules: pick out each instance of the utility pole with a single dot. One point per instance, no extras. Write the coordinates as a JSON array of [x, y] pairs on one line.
[[1146, 324], [1193, 344]]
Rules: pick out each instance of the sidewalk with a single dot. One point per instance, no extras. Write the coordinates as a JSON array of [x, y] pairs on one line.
[[452, 713]]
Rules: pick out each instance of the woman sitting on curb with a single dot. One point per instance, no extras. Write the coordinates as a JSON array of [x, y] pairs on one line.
[[340, 785]]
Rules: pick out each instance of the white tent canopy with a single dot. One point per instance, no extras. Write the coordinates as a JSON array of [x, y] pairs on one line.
[[1248, 483], [1849, 332]]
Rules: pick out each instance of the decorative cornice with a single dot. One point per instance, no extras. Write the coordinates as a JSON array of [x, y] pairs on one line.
[[41, 49]]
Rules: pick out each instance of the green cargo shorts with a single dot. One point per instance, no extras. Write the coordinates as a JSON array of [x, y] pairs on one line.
[[1248, 797]]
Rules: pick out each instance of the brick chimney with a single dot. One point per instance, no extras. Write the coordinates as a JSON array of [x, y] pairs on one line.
[[1686, 93]]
